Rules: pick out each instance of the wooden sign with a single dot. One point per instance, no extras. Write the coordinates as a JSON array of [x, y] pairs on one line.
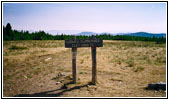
[[93, 43], [83, 43]]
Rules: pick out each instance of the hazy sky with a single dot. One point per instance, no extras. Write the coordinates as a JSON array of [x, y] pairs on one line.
[[95, 17]]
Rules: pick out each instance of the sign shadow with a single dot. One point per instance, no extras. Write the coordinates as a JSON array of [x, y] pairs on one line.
[[64, 89]]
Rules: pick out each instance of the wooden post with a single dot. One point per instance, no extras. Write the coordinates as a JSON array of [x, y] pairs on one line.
[[74, 71], [94, 76]]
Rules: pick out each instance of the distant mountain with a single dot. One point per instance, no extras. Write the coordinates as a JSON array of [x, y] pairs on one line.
[[68, 32], [93, 33], [107, 33], [87, 33], [145, 34]]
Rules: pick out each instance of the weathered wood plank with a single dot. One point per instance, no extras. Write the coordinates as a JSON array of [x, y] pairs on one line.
[[83, 43]]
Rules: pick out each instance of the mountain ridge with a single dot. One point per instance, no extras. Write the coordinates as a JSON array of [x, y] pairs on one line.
[[145, 34], [140, 34]]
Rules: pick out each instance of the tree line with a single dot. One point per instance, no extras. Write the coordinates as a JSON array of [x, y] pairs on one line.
[[10, 34]]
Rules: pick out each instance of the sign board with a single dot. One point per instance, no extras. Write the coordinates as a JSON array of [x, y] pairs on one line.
[[83, 43], [74, 44]]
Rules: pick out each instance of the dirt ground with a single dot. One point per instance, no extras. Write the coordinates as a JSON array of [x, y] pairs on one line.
[[44, 69]]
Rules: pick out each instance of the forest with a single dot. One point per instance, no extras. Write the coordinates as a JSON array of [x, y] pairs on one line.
[[10, 34]]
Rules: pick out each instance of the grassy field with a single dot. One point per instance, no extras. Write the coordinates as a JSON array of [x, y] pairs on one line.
[[44, 68]]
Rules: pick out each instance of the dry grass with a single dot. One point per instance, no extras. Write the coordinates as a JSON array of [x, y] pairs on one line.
[[124, 69]]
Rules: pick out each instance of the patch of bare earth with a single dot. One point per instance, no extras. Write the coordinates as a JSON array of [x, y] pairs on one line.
[[44, 69]]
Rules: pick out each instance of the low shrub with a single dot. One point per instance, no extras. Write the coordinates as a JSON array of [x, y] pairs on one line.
[[138, 69], [14, 47]]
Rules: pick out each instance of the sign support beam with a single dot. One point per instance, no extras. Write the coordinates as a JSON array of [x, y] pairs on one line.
[[74, 71], [94, 75]]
